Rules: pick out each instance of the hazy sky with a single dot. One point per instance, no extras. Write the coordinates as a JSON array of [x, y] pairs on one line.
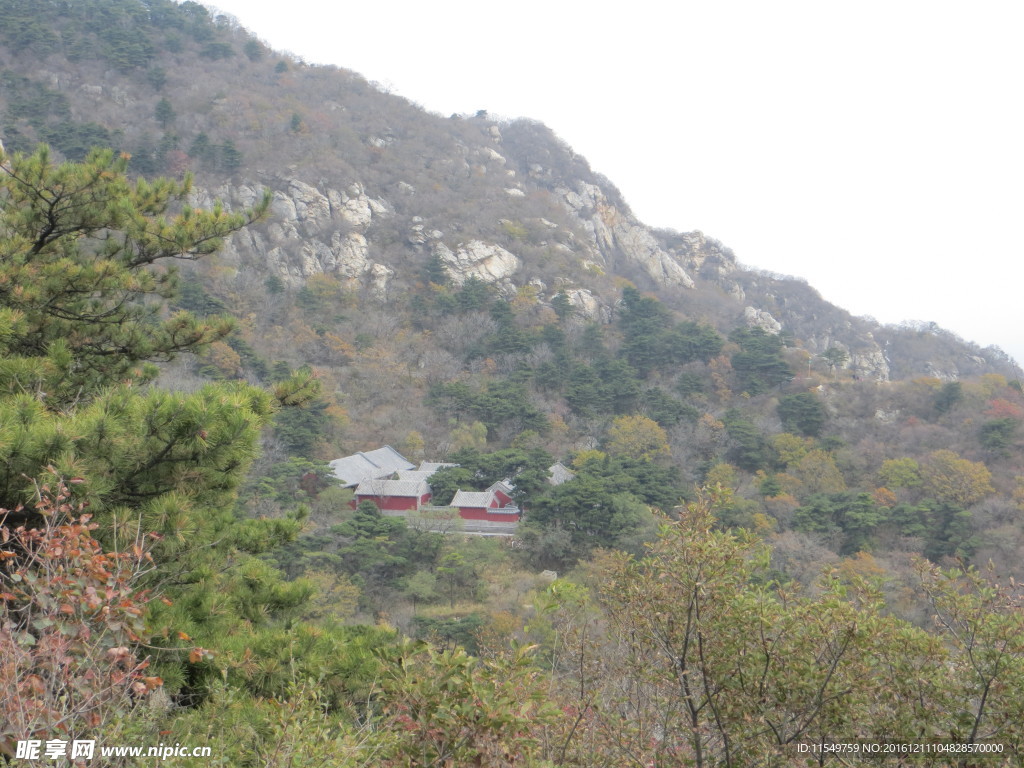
[[873, 148]]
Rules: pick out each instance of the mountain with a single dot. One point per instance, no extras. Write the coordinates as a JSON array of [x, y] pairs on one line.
[[469, 292], [405, 251], [367, 186]]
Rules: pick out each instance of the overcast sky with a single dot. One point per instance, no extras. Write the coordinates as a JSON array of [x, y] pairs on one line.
[[873, 148]]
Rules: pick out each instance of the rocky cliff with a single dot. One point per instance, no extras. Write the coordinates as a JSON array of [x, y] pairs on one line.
[[367, 187], [337, 230]]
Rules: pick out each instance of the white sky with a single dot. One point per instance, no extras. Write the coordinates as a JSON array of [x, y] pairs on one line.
[[873, 148]]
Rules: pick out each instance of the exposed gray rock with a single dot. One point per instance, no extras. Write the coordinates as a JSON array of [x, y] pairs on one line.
[[705, 257], [283, 212], [356, 209], [243, 196], [349, 255], [870, 364], [234, 197], [485, 261], [307, 202], [949, 373], [758, 318], [867, 360], [416, 235], [640, 246], [490, 154], [379, 278], [587, 304], [300, 206], [617, 234], [309, 232]]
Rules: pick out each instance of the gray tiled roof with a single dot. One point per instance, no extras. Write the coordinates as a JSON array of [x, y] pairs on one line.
[[505, 486], [559, 473], [472, 499], [352, 470], [392, 488], [415, 475]]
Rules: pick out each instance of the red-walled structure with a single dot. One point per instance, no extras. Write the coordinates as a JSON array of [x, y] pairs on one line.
[[494, 504], [406, 494]]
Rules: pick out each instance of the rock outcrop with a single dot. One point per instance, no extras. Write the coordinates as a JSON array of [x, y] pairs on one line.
[[484, 261], [758, 318], [869, 364], [587, 305], [309, 232], [618, 236], [365, 187], [314, 230]]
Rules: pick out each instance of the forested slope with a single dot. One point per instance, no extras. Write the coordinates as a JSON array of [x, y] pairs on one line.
[[765, 489]]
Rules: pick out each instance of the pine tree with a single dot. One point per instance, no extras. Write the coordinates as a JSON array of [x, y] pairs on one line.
[[82, 305], [83, 320], [164, 113]]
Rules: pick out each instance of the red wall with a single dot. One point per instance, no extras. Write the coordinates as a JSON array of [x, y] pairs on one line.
[[480, 513], [393, 503]]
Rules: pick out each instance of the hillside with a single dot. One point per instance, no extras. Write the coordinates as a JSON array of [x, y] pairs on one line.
[[385, 219], [419, 263], [367, 186], [762, 490]]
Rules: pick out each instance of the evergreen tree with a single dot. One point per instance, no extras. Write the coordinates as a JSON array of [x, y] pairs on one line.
[[950, 395], [164, 113], [202, 148], [253, 50], [651, 340], [435, 272], [562, 306], [749, 449], [643, 321], [759, 363], [802, 413], [593, 508], [78, 241], [82, 321], [230, 157], [835, 357]]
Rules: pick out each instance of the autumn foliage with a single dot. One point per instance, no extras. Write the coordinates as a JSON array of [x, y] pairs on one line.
[[71, 625]]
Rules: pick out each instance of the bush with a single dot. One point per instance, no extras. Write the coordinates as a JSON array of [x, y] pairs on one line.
[[802, 413]]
